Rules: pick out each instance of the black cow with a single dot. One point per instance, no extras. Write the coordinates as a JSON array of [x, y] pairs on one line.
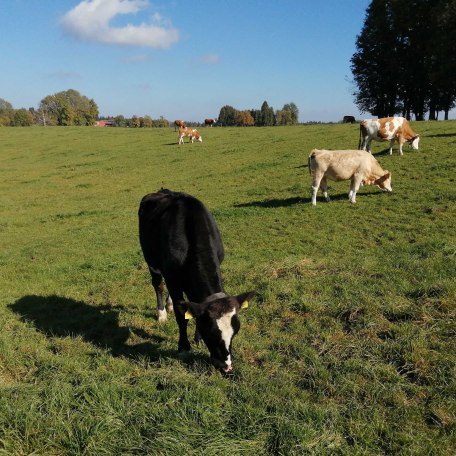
[[181, 243], [349, 119]]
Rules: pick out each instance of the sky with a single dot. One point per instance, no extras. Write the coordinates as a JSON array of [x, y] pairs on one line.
[[180, 59]]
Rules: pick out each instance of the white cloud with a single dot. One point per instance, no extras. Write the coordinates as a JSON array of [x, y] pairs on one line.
[[90, 21]]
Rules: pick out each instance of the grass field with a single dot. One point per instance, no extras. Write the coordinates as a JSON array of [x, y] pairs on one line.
[[349, 348]]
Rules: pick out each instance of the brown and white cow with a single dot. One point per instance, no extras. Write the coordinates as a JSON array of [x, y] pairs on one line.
[[209, 122], [387, 129], [181, 243], [179, 124], [191, 133], [358, 166]]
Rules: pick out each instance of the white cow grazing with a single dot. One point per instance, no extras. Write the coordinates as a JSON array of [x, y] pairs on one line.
[[191, 133], [387, 129], [358, 166]]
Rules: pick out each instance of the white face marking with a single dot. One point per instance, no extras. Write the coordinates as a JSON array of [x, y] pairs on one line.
[[224, 324], [415, 143]]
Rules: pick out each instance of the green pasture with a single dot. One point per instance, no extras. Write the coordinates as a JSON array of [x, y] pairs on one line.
[[349, 348]]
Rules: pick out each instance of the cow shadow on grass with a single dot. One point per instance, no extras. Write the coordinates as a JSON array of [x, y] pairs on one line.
[[274, 203], [441, 135], [271, 203], [57, 316]]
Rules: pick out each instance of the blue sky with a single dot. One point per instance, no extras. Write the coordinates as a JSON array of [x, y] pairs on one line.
[[180, 59]]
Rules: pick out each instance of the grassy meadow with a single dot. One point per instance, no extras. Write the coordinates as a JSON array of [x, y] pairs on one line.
[[349, 348]]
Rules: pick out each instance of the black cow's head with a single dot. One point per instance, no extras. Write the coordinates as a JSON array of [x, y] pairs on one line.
[[217, 322]]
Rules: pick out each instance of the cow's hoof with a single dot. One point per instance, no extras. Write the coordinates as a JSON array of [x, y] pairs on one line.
[[162, 315]]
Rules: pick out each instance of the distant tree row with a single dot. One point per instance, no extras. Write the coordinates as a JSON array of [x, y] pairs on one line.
[[63, 108], [263, 117], [405, 62], [138, 122], [71, 108]]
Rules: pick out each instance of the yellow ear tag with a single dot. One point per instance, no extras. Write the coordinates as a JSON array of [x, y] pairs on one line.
[[245, 305], [188, 315]]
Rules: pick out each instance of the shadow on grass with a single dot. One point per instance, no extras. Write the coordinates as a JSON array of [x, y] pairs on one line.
[[441, 135], [273, 203], [56, 316]]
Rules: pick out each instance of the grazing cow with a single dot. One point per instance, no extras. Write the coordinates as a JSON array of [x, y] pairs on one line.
[[348, 119], [191, 133], [387, 129], [181, 243], [179, 124], [356, 165], [210, 122]]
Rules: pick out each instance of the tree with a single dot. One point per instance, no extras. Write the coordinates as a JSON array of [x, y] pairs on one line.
[[373, 65], [227, 116], [244, 119], [22, 118], [294, 112], [120, 121], [405, 62], [146, 122], [68, 108], [267, 117], [442, 64], [6, 113], [135, 122], [283, 117]]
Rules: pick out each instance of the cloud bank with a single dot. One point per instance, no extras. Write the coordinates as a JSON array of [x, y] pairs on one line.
[[90, 21]]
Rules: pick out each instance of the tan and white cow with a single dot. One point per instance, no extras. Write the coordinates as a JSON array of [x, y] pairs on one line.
[[179, 124], [387, 129], [358, 166], [191, 133]]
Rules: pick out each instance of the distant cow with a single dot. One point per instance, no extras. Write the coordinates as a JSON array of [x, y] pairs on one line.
[[179, 124], [358, 166], [348, 119], [387, 129], [181, 243], [209, 122], [191, 133]]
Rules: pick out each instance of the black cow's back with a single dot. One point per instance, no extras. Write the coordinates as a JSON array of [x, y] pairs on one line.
[[179, 238]]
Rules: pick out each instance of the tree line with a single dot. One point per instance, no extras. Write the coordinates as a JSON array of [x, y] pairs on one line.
[[63, 108], [69, 108], [405, 62], [265, 116]]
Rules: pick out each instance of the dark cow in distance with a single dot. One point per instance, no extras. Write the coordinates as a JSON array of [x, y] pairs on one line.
[[209, 122], [179, 124], [182, 244], [349, 119]]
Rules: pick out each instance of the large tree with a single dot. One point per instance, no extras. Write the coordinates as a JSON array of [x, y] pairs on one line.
[[227, 116], [267, 116], [68, 108], [404, 58], [373, 64], [6, 113], [288, 115]]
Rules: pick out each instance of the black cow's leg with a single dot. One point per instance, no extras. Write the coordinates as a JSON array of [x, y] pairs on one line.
[[197, 336], [157, 283], [177, 296], [179, 312]]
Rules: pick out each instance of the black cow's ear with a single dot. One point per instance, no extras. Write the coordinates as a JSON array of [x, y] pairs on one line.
[[244, 298], [194, 310]]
